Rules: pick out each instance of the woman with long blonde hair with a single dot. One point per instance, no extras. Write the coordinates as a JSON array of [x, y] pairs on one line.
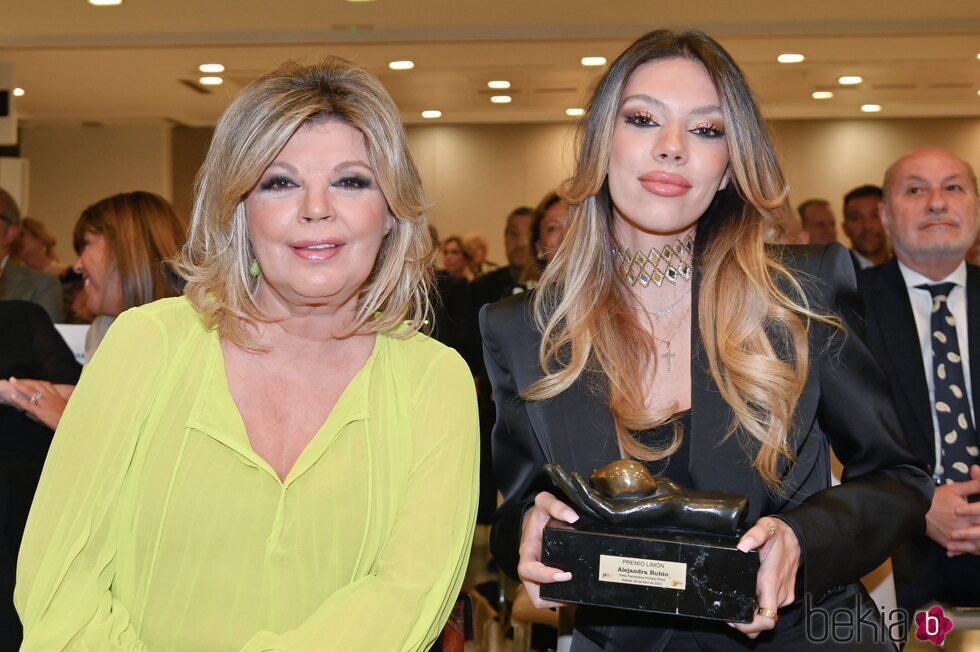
[[668, 329]]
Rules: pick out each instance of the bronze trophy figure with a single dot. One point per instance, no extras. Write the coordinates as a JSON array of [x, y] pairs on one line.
[[647, 543]]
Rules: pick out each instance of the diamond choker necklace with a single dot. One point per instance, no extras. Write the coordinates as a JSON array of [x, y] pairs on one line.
[[673, 262]]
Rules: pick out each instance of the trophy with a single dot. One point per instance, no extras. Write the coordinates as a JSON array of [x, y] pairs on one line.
[[646, 543]]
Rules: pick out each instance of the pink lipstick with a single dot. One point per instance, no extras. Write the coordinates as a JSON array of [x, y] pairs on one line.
[[665, 184]]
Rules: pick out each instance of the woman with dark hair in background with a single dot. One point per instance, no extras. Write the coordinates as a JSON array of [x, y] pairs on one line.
[[124, 243], [668, 329]]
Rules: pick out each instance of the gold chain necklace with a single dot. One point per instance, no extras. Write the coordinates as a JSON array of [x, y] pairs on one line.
[[668, 354], [658, 313], [674, 262]]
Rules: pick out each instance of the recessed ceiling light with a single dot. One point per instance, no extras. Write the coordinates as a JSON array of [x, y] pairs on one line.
[[822, 95], [850, 80], [871, 108], [499, 84], [790, 58], [575, 112], [401, 65], [211, 68], [428, 114], [211, 81], [19, 92], [104, 3], [501, 99], [593, 61]]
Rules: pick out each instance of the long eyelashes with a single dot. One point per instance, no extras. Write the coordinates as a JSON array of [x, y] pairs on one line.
[[277, 183], [644, 119], [640, 119], [353, 182], [347, 182]]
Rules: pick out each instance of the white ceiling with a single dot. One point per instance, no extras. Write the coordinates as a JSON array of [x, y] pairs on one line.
[[129, 64]]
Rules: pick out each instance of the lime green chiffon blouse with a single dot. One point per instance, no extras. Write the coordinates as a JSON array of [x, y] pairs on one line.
[[157, 527]]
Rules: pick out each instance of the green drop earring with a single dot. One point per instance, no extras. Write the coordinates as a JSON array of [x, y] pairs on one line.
[[254, 269]]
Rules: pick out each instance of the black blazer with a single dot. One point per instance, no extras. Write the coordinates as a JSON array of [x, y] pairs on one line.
[[894, 342], [844, 532]]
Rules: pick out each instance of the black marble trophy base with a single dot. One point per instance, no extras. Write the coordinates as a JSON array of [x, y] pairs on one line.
[[701, 576]]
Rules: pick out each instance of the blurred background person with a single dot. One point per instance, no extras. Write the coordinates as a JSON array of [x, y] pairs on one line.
[[476, 246], [818, 220], [18, 281], [123, 244], [35, 248], [456, 259], [862, 224], [548, 229]]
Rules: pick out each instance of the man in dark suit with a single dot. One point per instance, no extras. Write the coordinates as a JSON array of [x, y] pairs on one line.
[[923, 326], [862, 224], [16, 281]]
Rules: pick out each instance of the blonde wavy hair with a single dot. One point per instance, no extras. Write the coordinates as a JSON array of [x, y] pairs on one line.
[[246, 140], [752, 313]]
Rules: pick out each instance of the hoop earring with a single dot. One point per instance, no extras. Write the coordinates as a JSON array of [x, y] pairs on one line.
[[253, 268]]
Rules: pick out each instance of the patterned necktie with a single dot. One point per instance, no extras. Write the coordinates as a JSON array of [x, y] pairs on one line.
[[959, 437]]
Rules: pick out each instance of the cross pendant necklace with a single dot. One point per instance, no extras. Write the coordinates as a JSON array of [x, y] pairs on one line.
[[668, 355]]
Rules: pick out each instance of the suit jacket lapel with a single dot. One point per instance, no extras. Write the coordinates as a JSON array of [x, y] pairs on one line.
[[901, 340], [973, 329]]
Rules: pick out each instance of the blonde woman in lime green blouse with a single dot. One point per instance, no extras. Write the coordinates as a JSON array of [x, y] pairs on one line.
[[277, 460]]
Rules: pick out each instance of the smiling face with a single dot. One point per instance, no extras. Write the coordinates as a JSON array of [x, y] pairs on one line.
[[103, 283], [669, 153], [930, 212], [316, 219]]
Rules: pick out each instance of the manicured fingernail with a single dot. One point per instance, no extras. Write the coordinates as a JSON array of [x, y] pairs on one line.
[[571, 517], [746, 545], [563, 576]]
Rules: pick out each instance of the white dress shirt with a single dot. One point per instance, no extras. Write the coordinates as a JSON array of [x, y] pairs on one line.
[[921, 301]]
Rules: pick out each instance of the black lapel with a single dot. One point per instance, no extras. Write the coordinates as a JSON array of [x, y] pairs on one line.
[[578, 427], [973, 330], [890, 303]]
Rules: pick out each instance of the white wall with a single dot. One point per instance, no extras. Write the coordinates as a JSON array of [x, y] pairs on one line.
[[475, 175], [74, 166]]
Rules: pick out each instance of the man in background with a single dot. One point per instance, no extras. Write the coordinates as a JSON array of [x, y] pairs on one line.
[[818, 220], [17, 282], [923, 327], [862, 224]]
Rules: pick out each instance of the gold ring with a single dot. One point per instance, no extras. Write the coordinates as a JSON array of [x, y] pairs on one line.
[[37, 396], [771, 526], [768, 613]]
